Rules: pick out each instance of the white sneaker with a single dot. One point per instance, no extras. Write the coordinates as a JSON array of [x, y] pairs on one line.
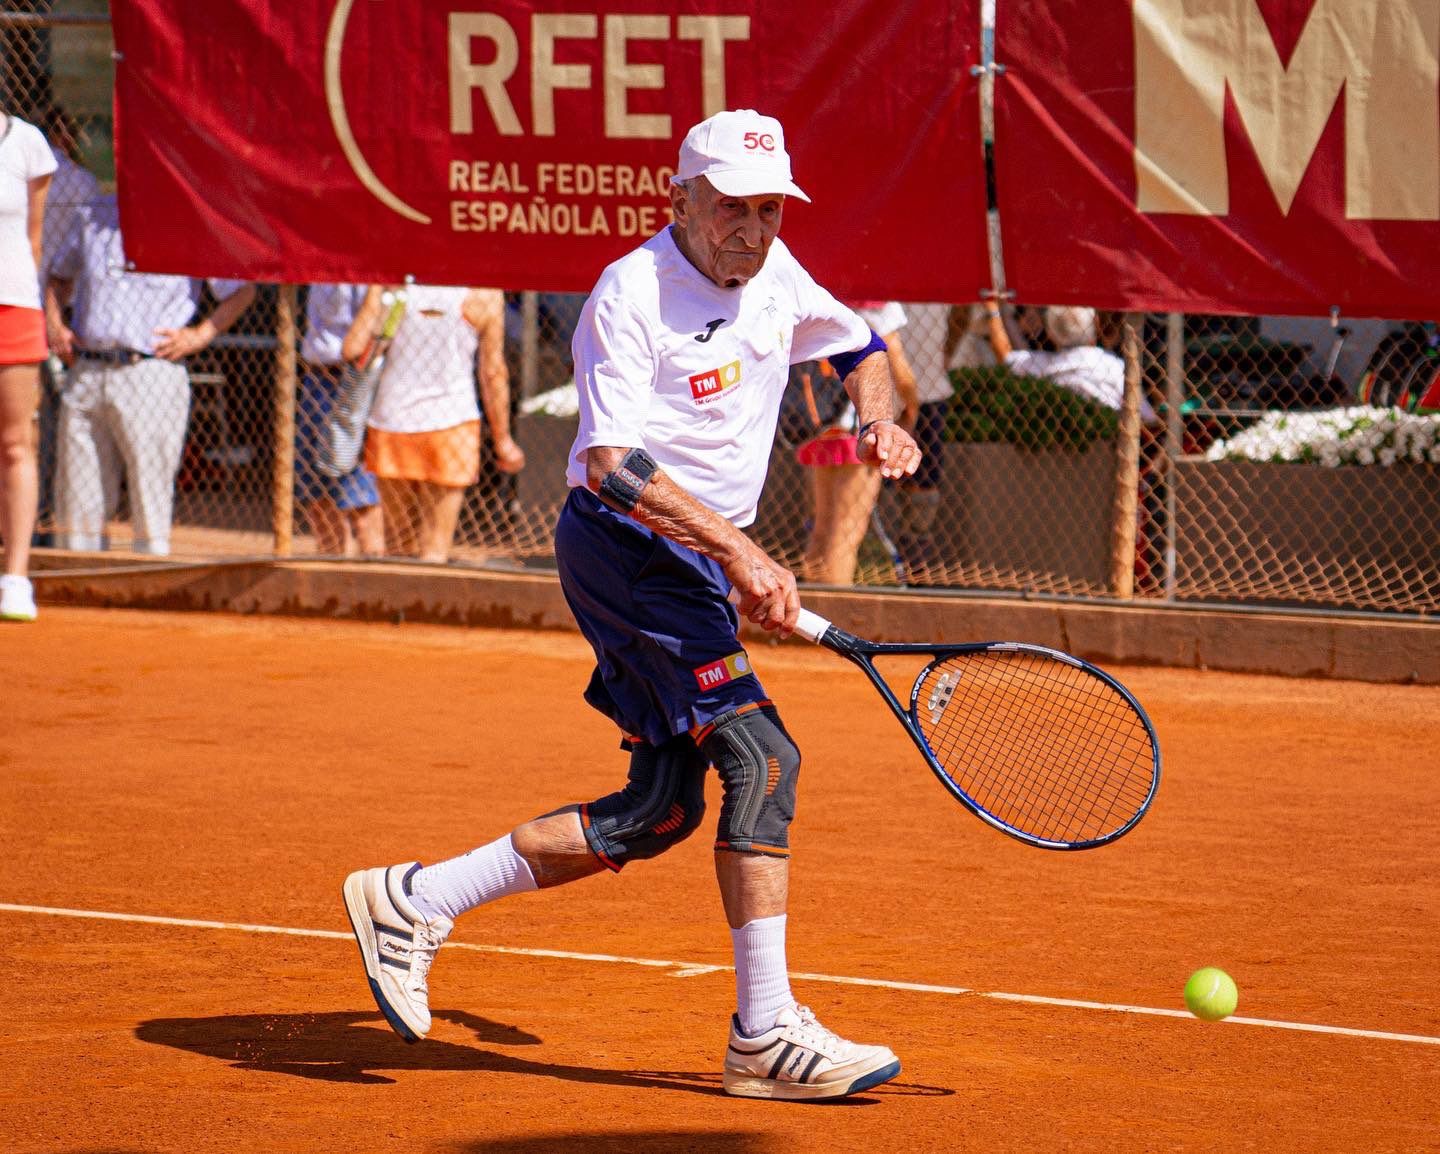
[[17, 598], [396, 943], [798, 1058]]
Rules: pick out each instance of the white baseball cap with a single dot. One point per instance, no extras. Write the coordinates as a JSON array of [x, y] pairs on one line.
[[741, 153]]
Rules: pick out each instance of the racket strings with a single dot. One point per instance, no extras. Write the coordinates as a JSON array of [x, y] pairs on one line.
[[1046, 747]]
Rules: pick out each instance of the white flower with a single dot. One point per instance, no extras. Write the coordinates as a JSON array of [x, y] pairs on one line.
[[1357, 435]]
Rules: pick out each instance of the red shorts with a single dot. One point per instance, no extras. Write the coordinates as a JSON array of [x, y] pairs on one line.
[[832, 447], [22, 336]]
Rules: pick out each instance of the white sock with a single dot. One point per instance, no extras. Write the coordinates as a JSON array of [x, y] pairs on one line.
[[762, 986], [462, 883]]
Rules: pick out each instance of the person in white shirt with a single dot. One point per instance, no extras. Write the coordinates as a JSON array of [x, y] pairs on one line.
[[26, 166], [126, 405], [1078, 364], [682, 354], [422, 440]]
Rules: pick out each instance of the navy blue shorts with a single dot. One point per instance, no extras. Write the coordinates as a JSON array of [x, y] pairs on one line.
[[930, 437], [356, 489], [668, 657]]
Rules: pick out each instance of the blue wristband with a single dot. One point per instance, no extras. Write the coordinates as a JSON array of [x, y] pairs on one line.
[[844, 363]]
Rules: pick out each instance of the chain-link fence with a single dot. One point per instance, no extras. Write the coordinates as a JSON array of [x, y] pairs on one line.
[[1279, 461]]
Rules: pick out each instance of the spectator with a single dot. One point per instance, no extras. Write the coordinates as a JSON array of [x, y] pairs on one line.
[[967, 338], [423, 437], [343, 512], [1078, 364], [26, 167], [126, 403], [842, 489], [951, 338]]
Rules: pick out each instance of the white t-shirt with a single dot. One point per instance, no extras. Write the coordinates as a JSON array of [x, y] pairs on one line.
[[925, 349], [428, 382], [668, 361], [1088, 370], [24, 156]]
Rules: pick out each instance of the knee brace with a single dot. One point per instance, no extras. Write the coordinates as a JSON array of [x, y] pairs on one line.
[[759, 766], [661, 804]]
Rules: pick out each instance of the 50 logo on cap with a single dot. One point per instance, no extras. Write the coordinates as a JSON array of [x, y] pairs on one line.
[[706, 386], [754, 140]]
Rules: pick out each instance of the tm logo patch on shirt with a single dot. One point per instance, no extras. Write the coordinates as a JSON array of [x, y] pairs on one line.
[[726, 669], [706, 386]]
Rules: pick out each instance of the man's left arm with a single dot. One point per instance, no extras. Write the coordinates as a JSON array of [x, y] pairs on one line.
[[177, 344], [882, 441]]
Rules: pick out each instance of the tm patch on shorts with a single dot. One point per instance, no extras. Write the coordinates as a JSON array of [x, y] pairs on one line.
[[667, 655]]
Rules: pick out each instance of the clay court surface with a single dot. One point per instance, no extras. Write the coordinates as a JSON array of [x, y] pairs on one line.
[[232, 770]]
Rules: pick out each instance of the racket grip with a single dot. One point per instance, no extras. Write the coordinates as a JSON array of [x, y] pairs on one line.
[[811, 626]]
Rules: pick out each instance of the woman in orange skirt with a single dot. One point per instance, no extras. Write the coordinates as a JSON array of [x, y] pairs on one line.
[[26, 165], [422, 440]]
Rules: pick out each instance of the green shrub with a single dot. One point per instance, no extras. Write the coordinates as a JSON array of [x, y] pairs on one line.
[[996, 405]]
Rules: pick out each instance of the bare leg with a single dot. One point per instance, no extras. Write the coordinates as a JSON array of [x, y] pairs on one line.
[[822, 528], [397, 498], [844, 496], [554, 847], [328, 527], [751, 885], [367, 530], [857, 488], [439, 514], [19, 479]]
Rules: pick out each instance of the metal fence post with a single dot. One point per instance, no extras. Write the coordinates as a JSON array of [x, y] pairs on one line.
[[283, 476]]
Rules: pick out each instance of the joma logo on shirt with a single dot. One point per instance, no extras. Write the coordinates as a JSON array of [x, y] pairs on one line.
[[726, 669], [706, 386]]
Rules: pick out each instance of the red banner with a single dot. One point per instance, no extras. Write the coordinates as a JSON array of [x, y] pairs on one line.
[[1252, 156], [527, 145]]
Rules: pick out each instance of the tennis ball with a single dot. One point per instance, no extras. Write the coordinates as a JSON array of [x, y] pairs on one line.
[[1210, 994]]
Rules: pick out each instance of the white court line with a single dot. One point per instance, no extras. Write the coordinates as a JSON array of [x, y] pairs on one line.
[[691, 969]]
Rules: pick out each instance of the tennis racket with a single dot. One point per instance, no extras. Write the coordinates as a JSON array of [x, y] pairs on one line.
[[1041, 745]]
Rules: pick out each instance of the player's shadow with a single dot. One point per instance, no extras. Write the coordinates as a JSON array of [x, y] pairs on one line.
[[630, 1142], [357, 1046]]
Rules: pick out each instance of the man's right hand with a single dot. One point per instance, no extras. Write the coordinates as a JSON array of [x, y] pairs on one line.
[[766, 589]]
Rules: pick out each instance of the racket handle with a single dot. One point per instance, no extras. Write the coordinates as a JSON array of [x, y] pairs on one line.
[[811, 626]]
